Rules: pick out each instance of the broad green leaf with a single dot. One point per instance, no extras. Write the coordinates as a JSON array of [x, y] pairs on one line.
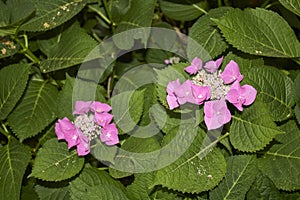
[[50, 133], [72, 49], [127, 108], [200, 168], [297, 113], [28, 192], [47, 193], [55, 162], [139, 15], [118, 9], [292, 5], [183, 10], [263, 188], [13, 79], [139, 189], [274, 89], [297, 89], [52, 13], [95, 184], [207, 38], [104, 153], [240, 174], [8, 47], [14, 158], [35, 110], [281, 163], [253, 129], [259, 32]]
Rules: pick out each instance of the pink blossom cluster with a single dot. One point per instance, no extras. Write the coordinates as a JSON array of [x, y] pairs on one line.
[[212, 87], [91, 120]]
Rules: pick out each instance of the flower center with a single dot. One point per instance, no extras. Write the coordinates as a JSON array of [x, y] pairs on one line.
[[88, 126]]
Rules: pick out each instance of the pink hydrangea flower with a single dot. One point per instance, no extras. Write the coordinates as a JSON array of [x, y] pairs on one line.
[[212, 66], [200, 93], [241, 95], [195, 66], [184, 93], [91, 120], [231, 73], [216, 114], [171, 97]]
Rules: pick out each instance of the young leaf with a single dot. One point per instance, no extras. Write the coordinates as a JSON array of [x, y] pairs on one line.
[[35, 111], [52, 13], [274, 89], [200, 168], [96, 184], [253, 129], [282, 162], [259, 32], [73, 47], [14, 158], [206, 36], [240, 174], [47, 193], [183, 11], [292, 5], [13, 81], [54, 162]]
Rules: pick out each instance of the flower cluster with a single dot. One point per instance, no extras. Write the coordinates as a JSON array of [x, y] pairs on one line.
[[212, 87], [91, 120]]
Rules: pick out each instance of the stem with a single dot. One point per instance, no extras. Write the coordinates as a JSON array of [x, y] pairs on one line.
[[4, 130], [100, 14], [26, 51], [271, 4], [107, 10], [297, 60], [103, 168], [219, 3]]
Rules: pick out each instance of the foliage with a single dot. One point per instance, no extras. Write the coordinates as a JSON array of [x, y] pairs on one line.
[[53, 53]]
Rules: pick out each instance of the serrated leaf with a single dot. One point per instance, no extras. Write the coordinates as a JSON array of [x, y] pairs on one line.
[[35, 111], [259, 32], [52, 13], [55, 162], [292, 5], [207, 40], [183, 10], [8, 47], [14, 158], [127, 108], [95, 184], [139, 189], [13, 79], [253, 129], [240, 174], [263, 188], [47, 193], [139, 15], [72, 49], [274, 89], [282, 162], [199, 168]]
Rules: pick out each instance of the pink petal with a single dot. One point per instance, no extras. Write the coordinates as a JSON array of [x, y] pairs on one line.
[[83, 148], [195, 66], [212, 66], [82, 107], [167, 62], [103, 119], [172, 102], [73, 138], [249, 93], [184, 93], [100, 107], [231, 73], [109, 134], [64, 126], [201, 93], [172, 86]]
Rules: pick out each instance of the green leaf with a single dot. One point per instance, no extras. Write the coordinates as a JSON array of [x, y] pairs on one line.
[[47, 193], [104, 152], [240, 174], [297, 113], [200, 168], [139, 189], [282, 162], [139, 15], [183, 10], [13, 79], [292, 5], [259, 32], [253, 129], [118, 9], [35, 111], [127, 108], [8, 47], [297, 89], [207, 39], [95, 184], [14, 158], [28, 192], [274, 89], [263, 188], [54, 162], [52, 13], [72, 49], [50, 133]]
